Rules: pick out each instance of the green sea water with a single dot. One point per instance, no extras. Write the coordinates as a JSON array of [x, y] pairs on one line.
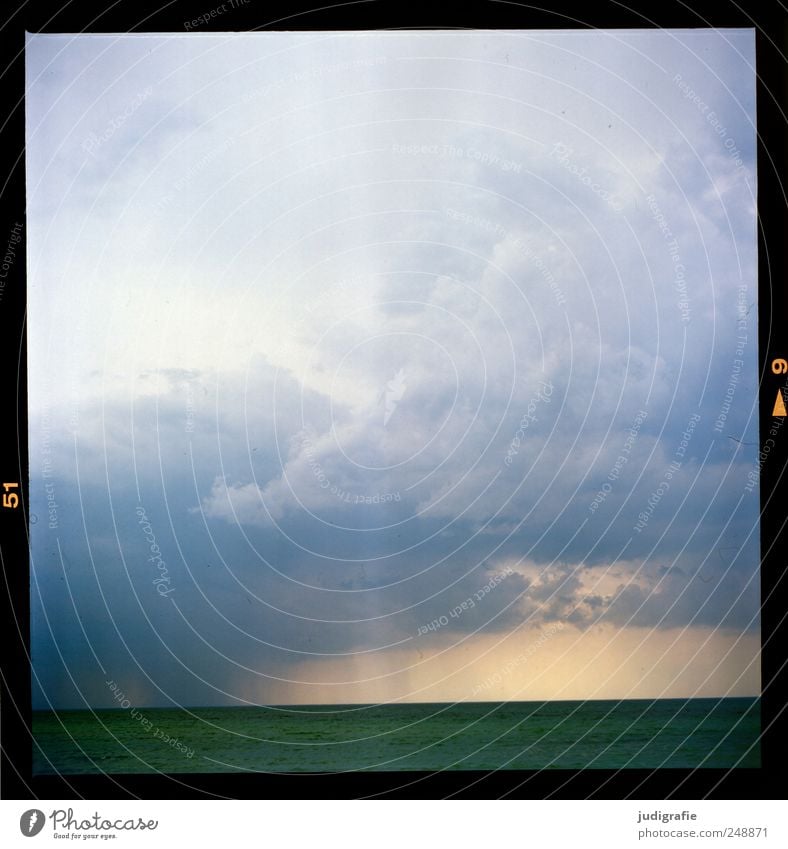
[[641, 734]]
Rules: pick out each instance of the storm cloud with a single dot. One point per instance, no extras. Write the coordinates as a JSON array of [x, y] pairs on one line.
[[396, 347]]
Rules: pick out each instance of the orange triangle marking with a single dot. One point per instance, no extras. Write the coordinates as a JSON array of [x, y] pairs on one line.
[[779, 405]]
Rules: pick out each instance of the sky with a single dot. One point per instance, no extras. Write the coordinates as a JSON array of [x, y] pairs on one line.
[[370, 367]]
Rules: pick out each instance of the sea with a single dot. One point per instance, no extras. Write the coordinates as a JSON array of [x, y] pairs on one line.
[[632, 734]]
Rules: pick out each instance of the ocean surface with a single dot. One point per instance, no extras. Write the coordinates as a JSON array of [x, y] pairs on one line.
[[668, 733]]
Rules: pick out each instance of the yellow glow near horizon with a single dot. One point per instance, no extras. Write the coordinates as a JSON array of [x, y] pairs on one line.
[[554, 663]]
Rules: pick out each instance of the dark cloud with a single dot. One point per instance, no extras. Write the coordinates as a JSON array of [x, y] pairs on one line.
[[433, 368]]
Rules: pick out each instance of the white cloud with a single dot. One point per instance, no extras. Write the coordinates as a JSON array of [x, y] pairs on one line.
[[289, 225]]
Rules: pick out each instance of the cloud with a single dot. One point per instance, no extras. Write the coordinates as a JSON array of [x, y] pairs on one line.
[[238, 503], [366, 322]]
